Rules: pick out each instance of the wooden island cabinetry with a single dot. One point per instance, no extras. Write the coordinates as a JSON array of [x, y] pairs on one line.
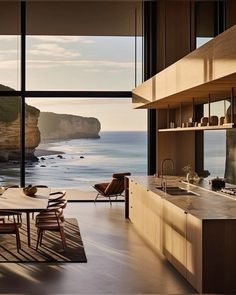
[[145, 212], [164, 226], [196, 234], [174, 236]]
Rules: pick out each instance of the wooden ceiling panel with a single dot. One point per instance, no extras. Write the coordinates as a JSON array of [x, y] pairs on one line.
[[78, 18]]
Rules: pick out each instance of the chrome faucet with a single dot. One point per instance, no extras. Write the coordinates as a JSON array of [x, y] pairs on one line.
[[164, 183]]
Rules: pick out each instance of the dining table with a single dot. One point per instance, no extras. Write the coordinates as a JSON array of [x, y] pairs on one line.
[[15, 199]]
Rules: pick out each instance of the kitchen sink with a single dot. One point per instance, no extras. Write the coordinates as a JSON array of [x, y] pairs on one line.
[[176, 191]]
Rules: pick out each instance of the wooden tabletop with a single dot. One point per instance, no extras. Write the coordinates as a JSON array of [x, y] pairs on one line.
[[15, 199]]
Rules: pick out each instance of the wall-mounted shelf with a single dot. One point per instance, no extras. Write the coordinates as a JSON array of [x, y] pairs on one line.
[[201, 128]]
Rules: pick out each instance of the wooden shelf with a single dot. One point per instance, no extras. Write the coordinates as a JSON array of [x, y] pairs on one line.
[[218, 127]]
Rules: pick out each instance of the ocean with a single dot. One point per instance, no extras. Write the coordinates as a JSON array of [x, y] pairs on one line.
[[215, 152], [84, 162]]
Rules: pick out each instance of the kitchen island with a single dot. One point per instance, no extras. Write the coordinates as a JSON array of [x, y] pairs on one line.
[[196, 232]]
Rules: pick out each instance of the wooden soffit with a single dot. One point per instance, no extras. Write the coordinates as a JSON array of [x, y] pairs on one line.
[[210, 69]]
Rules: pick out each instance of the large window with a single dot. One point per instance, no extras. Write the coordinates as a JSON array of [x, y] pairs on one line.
[[74, 65]]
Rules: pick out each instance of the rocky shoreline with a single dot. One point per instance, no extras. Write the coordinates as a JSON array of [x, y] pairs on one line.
[[43, 152]]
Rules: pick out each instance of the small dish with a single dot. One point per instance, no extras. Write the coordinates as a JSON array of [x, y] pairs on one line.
[[30, 190]]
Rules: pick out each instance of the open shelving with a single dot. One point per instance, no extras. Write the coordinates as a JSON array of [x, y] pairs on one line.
[[206, 75]]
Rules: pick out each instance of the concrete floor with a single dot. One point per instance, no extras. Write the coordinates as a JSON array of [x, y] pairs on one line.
[[119, 262]]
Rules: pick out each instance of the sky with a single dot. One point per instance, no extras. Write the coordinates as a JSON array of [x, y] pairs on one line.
[[78, 63]]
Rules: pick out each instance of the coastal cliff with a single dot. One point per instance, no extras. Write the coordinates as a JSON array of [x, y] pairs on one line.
[[62, 126], [10, 128]]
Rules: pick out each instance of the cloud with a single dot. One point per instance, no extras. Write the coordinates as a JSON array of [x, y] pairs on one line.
[[8, 64], [8, 51], [9, 37], [86, 65], [62, 39], [52, 50]]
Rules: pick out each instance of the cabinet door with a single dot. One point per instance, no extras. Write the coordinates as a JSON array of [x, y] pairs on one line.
[[152, 219], [167, 229], [156, 212], [145, 212], [179, 244], [174, 236], [131, 199], [136, 208], [194, 252]]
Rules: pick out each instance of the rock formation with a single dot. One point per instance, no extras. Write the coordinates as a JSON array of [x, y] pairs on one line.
[[61, 126], [10, 128]]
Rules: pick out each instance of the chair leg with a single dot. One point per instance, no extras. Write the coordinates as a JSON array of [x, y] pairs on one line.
[[39, 237], [63, 238], [18, 243], [96, 197], [110, 200]]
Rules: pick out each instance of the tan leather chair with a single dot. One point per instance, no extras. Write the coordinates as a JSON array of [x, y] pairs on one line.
[[114, 188]]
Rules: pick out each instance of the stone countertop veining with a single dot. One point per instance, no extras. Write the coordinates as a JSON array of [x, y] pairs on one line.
[[205, 205]]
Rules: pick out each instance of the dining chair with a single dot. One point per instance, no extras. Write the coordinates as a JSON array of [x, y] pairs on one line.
[[51, 219], [11, 227], [114, 188], [19, 218], [58, 205], [39, 186], [56, 196]]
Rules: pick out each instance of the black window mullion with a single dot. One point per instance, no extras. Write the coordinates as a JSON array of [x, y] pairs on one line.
[[22, 102]]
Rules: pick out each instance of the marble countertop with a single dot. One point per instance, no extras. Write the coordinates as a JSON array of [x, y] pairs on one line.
[[206, 204]]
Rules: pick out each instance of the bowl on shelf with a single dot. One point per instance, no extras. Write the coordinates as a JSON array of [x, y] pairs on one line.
[[30, 190], [213, 121]]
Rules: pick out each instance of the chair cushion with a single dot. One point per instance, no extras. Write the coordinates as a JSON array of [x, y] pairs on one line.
[[121, 175], [101, 187], [115, 187]]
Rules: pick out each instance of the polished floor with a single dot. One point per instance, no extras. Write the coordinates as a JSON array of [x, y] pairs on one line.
[[119, 262]]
